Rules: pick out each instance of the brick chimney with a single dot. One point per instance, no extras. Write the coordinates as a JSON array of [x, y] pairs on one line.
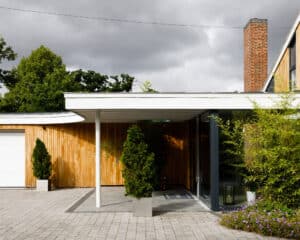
[[255, 54]]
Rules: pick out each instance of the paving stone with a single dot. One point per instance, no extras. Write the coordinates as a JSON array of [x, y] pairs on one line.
[[27, 214]]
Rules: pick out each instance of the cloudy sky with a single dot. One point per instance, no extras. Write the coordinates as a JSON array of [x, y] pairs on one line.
[[173, 58]]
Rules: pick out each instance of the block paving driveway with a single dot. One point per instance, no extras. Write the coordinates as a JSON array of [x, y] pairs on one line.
[[27, 214]]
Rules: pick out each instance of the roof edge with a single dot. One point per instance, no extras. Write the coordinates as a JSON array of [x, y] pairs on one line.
[[285, 46], [40, 118]]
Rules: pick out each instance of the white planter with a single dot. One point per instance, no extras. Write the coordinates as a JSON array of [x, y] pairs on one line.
[[42, 185], [251, 197], [142, 207]]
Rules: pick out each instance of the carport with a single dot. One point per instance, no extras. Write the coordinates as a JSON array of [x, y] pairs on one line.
[[174, 107]]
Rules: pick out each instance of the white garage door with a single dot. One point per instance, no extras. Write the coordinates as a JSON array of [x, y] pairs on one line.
[[12, 159]]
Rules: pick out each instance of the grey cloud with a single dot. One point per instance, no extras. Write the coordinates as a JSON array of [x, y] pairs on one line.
[[173, 59]]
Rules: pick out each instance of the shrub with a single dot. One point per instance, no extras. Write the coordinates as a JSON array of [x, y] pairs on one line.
[[138, 164], [41, 161], [280, 222], [274, 159]]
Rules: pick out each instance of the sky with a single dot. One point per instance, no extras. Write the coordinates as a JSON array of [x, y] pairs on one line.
[[204, 58]]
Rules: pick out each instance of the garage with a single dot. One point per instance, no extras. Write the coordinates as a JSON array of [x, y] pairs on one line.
[[12, 159]]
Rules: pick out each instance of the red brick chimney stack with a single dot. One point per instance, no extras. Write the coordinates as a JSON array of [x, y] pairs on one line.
[[255, 54]]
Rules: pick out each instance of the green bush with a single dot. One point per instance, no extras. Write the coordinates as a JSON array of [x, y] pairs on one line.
[[138, 164], [274, 159], [264, 218], [41, 161]]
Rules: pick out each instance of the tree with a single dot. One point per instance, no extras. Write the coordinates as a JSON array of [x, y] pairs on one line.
[[92, 81], [6, 53], [274, 156], [138, 164], [37, 84], [41, 161], [41, 80], [232, 145], [147, 87]]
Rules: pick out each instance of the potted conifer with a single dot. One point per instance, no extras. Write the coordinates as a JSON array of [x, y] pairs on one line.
[[138, 171], [41, 166]]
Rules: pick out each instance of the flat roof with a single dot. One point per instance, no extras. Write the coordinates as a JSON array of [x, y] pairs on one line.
[[130, 107], [40, 118], [168, 101]]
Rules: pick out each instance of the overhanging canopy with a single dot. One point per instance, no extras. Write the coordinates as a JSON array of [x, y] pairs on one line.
[[129, 107]]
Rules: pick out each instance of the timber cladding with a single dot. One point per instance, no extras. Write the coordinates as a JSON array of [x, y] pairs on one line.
[[72, 150], [282, 74]]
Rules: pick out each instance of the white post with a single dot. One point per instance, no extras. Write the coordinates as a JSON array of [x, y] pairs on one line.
[[197, 158], [98, 158]]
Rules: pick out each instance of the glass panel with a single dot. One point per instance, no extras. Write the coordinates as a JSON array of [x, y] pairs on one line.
[[293, 79], [270, 87], [293, 56]]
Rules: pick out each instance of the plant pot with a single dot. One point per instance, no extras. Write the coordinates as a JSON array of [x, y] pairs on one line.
[[251, 197], [42, 185], [142, 207]]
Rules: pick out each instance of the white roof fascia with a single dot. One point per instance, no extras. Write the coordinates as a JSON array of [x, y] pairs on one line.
[[40, 118], [181, 101], [285, 46]]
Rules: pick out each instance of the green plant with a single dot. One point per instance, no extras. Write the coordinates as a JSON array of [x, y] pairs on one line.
[[138, 164], [274, 154], [266, 218], [146, 87], [41, 161], [232, 144], [232, 147]]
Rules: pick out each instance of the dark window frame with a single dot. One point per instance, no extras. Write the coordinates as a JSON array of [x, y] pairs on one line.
[[270, 87], [292, 64]]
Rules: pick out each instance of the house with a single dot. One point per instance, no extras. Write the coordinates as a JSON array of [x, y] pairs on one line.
[[86, 142]]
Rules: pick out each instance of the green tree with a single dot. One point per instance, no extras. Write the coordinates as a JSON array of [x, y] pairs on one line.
[[92, 81], [6, 53], [274, 154], [41, 161], [147, 87], [231, 146], [138, 164], [39, 83]]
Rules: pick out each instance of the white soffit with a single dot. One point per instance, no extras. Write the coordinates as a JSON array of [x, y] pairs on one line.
[[40, 118], [172, 101], [285, 46]]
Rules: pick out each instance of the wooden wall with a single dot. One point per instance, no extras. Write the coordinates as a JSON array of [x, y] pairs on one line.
[[72, 148], [176, 154], [282, 74]]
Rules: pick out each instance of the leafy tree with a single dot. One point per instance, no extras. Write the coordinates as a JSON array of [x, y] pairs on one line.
[[37, 84], [274, 155], [147, 87], [232, 146], [92, 81], [233, 141], [6, 53], [41, 161], [41, 80], [138, 164], [120, 84]]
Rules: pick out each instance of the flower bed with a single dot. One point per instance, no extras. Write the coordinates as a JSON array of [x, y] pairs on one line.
[[267, 219]]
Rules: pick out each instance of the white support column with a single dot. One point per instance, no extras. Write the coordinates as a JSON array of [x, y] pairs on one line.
[[197, 158], [98, 158]]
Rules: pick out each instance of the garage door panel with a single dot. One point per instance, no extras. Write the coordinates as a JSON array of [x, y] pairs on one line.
[[12, 159]]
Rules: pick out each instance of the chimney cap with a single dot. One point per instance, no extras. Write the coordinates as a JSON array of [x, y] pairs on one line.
[[256, 20]]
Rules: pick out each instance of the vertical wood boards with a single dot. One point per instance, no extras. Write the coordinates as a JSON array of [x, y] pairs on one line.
[[72, 150], [282, 74]]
